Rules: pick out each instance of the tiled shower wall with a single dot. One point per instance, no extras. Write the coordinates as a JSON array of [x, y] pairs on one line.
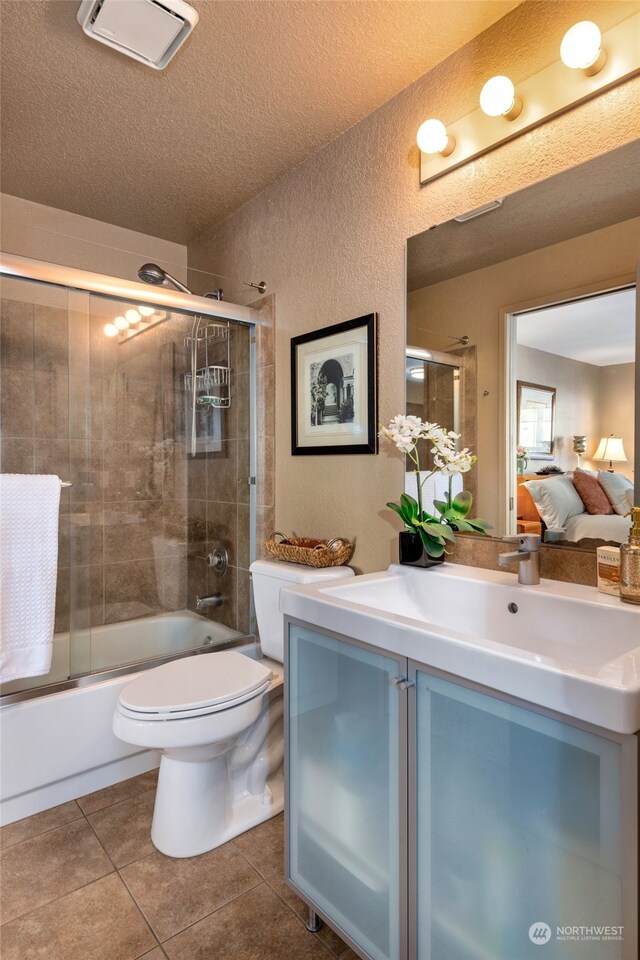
[[141, 516], [219, 487]]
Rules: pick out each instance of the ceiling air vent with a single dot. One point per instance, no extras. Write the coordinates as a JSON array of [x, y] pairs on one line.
[[146, 30]]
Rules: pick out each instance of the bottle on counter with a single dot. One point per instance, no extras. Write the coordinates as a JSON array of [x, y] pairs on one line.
[[630, 562]]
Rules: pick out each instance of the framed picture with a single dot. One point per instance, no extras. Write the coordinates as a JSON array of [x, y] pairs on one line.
[[334, 394], [536, 419]]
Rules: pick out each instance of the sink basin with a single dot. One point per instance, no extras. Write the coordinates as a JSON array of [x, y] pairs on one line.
[[562, 646]]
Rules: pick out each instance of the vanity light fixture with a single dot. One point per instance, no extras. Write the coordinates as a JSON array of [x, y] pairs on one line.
[[146, 311], [132, 316], [111, 330], [610, 448], [581, 48], [121, 323], [498, 99], [598, 62], [433, 138]]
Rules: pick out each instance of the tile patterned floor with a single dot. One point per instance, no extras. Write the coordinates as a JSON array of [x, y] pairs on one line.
[[84, 882]]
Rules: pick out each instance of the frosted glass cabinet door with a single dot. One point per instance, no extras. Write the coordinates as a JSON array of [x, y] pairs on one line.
[[344, 757], [519, 833]]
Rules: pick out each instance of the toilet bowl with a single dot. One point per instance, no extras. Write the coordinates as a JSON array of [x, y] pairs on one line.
[[217, 720]]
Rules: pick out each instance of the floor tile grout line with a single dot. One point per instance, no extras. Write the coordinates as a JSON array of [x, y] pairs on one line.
[[102, 846], [179, 933], [115, 803], [42, 833], [48, 903], [140, 911], [81, 814], [107, 806], [299, 918], [248, 860]]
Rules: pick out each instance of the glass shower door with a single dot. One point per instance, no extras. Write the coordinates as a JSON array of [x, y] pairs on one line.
[[44, 343]]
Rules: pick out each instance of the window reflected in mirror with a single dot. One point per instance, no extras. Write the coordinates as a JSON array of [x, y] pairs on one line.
[[536, 416]]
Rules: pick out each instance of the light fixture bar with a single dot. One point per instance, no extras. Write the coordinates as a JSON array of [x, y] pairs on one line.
[[550, 92]]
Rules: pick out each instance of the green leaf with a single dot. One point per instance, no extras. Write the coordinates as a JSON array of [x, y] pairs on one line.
[[462, 526], [462, 503], [432, 548], [441, 505], [409, 505], [447, 533], [480, 526]]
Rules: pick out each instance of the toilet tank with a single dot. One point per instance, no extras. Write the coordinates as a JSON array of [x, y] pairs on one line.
[[268, 577]]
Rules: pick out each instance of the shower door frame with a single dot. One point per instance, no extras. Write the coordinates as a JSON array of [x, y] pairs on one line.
[[17, 267]]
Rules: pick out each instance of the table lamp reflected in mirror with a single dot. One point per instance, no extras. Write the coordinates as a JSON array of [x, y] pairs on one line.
[[611, 449]]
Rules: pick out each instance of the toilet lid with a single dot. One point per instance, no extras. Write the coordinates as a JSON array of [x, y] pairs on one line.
[[212, 681]]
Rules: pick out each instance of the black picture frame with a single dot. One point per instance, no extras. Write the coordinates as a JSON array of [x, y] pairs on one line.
[[334, 389]]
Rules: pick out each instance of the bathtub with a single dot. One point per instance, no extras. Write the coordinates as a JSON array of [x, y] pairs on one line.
[[60, 746]]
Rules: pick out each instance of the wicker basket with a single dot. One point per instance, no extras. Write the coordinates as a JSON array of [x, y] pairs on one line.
[[313, 553]]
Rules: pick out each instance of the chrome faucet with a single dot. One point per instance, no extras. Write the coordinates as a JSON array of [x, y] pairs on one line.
[[214, 601], [527, 556]]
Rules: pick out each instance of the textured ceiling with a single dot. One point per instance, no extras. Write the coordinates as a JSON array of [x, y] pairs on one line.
[[258, 87], [600, 330]]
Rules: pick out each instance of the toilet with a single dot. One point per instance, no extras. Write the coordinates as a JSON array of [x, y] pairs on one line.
[[217, 720]]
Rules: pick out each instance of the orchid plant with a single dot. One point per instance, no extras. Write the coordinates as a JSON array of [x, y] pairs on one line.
[[435, 531]]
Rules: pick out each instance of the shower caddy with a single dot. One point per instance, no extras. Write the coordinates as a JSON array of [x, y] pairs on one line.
[[207, 384]]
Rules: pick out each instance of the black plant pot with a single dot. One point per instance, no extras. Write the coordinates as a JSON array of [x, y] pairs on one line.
[[413, 553]]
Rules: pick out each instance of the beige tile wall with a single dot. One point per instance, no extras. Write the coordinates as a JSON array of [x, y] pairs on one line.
[[142, 515]]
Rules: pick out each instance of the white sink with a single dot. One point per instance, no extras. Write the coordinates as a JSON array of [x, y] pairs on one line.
[[565, 646]]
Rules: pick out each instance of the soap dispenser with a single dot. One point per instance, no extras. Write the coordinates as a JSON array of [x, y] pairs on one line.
[[630, 562]]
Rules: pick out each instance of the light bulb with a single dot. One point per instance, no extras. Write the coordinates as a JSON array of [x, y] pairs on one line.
[[416, 373], [111, 330], [145, 311], [433, 138], [498, 98], [581, 48], [132, 316], [121, 323]]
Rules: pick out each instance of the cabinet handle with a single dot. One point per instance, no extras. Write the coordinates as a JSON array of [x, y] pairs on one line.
[[402, 683]]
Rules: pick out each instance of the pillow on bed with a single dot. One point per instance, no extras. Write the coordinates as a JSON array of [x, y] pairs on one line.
[[556, 499], [591, 492], [619, 490]]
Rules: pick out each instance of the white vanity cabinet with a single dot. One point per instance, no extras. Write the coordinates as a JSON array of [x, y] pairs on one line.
[[431, 819]]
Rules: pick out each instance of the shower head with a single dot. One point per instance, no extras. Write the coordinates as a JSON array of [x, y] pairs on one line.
[[152, 273]]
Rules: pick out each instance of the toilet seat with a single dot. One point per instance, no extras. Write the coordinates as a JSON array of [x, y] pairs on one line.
[[194, 687]]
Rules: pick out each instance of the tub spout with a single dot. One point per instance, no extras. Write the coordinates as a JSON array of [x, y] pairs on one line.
[[214, 601]]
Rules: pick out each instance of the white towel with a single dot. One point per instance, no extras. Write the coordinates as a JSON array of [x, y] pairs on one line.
[[29, 507]]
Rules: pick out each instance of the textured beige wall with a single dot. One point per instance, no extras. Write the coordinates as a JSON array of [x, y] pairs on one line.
[[617, 388], [46, 233], [599, 258], [330, 240], [577, 401]]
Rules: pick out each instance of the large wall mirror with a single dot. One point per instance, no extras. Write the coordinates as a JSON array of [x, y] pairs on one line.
[[522, 336]]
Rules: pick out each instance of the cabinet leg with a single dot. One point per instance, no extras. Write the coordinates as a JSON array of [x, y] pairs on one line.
[[313, 922]]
